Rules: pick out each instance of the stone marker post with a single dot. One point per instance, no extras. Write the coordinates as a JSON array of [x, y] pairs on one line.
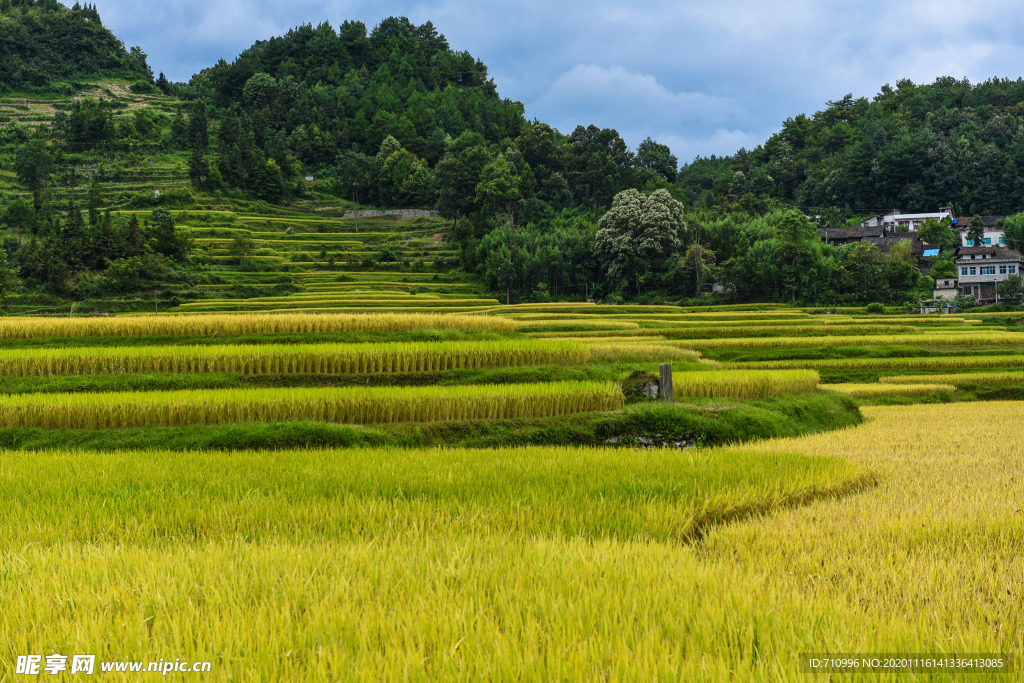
[[666, 382]]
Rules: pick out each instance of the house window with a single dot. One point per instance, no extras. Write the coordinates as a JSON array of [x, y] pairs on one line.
[[963, 271], [974, 271], [1002, 240], [969, 243], [1002, 270], [1013, 269], [988, 270], [988, 241]]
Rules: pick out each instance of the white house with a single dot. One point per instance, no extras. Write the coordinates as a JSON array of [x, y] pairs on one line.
[[982, 268], [913, 221], [993, 233]]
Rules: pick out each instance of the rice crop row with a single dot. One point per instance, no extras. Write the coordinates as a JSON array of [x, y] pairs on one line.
[[743, 383], [243, 323], [591, 341], [986, 379], [993, 314], [598, 334], [575, 325], [290, 358], [877, 390], [342, 309], [905, 363], [798, 326], [781, 331], [683, 320], [373, 405], [994, 339], [674, 311], [752, 332], [633, 351], [324, 302]]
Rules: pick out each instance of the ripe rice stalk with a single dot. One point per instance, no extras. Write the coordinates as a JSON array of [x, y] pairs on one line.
[[243, 323], [900, 363], [921, 339], [876, 390], [588, 324], [743, 383], [754, 330], [256, 359], [599, 341], [984, 379], [116, 410], [632, 351], [599, 333]]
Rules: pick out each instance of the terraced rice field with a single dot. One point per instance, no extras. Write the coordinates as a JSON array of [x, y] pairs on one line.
[[315, 246], [293, 561], [544, 562]]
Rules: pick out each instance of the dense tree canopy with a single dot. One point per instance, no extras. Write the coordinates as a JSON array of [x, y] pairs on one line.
[[43, 43], [915, 147]]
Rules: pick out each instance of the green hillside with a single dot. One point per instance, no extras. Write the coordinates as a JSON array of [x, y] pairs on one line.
[[118, 193], [45, 46], [241, 248]]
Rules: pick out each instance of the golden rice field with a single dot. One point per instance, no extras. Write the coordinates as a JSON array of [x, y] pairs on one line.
[[577, 325], [987, 379], [922, 387], [965, 339], [369, 405], [368, 564], [242, 323], [744, 383], [291, 358], [914, 363], [901, 535], [639, 351], [536, 564]]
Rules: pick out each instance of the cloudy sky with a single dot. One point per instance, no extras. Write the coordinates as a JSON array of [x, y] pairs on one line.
[[705, 78]]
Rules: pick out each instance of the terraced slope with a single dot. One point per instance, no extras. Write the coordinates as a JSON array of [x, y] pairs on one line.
[[314, 254]]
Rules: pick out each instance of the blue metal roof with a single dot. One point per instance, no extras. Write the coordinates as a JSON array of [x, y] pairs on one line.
[[931, 252]]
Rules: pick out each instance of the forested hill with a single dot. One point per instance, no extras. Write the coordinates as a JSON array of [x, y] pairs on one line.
[[339, 88], [44, 44], [915, 147], [394, 117], [321, 95]]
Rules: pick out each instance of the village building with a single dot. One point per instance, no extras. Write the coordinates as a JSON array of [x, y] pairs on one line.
[[980, 269], [994, 236], [898, 221], [946, 288], [862, 233]]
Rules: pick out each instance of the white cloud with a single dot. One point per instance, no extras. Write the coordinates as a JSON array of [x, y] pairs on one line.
[[615, 97]]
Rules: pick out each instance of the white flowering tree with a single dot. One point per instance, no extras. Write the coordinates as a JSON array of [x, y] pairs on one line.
[[638, 234]]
